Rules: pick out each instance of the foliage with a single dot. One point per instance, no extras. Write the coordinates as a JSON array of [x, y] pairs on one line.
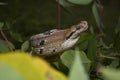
[[83, 2], [77, 70], [69, 56], [99, 46], [4, 46], [110, 74], [26, 67]]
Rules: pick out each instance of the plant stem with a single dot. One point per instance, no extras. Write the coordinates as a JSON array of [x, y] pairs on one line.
[[6, 40]]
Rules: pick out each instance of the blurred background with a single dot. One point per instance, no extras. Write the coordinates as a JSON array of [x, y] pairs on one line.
[[23, 19]]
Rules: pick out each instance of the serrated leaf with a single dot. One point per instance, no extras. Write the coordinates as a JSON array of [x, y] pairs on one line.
[[68, 57], [1, 25], [77, 71], [110, 74], [25, 46], [8, 73], [31, 68], [81, 2], [4, 46]]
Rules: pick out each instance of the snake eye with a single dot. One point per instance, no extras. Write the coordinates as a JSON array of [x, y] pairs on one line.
[[77, 27]]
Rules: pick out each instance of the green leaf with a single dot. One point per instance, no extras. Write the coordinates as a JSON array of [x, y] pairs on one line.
[[8, 73], [81, 2], [2, 3], [83, 37], [95, 13], [83, 41], [16, 36], [4, 46], [92, 47], [1, 25], [117, 28], [25, 46], [110, 74], [83, 45], [114, 64], [64, 3], [77, 71], [91, 28], [68, 57], [86, 62]]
